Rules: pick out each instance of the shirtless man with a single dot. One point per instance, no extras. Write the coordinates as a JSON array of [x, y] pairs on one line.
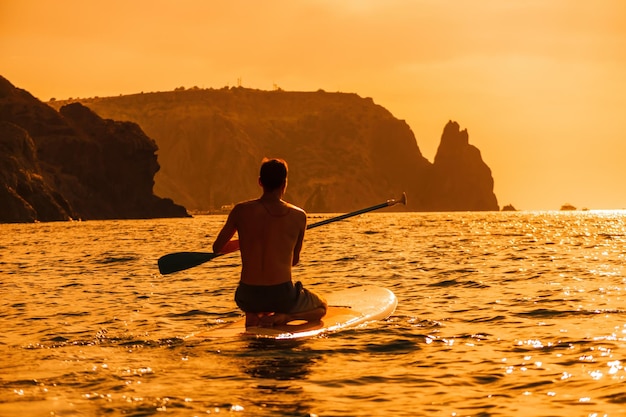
[[270, 233]]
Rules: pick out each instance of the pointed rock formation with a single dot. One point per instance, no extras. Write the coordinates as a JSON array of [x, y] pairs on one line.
[[460, 180]]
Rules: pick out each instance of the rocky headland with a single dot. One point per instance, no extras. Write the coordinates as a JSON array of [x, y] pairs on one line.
[[344, 152], [73, 164]]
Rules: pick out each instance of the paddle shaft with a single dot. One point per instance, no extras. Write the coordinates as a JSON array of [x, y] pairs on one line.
[[387, 203]]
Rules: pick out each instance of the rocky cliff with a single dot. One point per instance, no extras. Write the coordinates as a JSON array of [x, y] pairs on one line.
[[460, 179], [344, 152], [73, 164]]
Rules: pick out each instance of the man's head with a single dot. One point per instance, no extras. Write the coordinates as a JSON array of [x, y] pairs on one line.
[[273, 174]]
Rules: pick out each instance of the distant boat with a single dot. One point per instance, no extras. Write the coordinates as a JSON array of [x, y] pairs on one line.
[[567, 207]]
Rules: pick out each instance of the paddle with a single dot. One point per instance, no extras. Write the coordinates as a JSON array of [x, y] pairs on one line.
[[178, 261]]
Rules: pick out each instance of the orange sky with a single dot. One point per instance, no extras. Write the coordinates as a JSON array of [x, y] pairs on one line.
[[540, 85]]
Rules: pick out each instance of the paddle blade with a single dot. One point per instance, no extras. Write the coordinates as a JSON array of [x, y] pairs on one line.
[[174, 262]]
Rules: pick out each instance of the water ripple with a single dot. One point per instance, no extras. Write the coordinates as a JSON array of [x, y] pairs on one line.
[[499, 314]]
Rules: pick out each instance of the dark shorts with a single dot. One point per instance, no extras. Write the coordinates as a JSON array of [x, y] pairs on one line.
[[282, 298]]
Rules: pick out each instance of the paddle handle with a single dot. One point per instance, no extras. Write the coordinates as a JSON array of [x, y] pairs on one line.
[[387, 203]]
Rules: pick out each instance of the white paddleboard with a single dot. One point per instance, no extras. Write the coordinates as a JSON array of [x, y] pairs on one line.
[[347, 308]]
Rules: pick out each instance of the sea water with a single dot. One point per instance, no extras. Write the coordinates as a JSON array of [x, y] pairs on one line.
[[499, 314]]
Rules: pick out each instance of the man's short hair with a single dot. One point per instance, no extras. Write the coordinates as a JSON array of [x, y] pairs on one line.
[[273, 173]]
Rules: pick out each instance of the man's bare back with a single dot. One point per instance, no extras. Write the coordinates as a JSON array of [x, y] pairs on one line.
[[270, 238]]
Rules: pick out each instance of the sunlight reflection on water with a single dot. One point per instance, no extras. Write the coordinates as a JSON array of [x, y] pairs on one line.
[[499, 314]]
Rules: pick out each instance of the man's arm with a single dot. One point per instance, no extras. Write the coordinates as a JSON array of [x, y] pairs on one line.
[[222, 243], [298, 247]]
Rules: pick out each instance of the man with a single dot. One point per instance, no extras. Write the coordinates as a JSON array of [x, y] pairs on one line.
[[270, 233]]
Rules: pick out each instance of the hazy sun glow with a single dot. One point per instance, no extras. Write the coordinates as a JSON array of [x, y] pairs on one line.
[[540, 85]]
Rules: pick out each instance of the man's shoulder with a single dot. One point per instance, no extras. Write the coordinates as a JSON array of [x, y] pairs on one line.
[[296, 209], [246, 204], [297, 213], [243, 207]]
